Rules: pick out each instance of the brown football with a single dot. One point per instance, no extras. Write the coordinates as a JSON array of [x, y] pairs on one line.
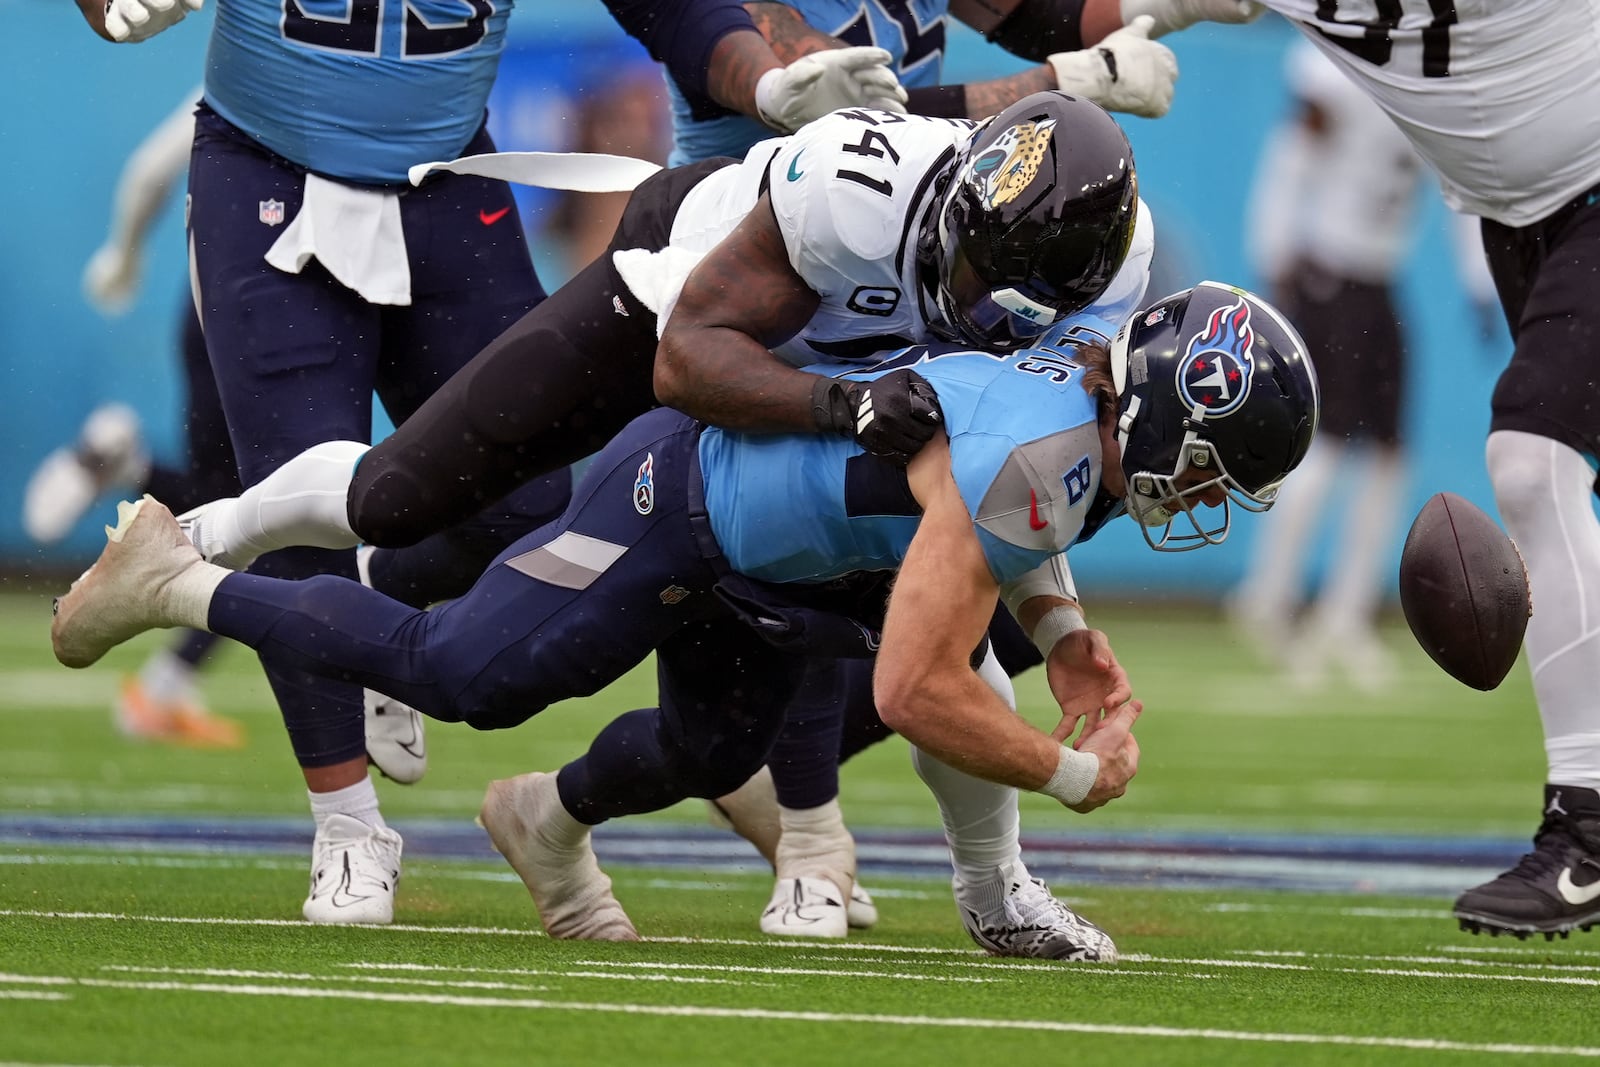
[[1464, 591]]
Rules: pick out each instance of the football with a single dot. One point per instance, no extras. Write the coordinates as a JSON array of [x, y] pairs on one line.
[[1464, 591]]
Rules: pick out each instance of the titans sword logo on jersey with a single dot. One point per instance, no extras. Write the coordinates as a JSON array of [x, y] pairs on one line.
[[1215, 372]]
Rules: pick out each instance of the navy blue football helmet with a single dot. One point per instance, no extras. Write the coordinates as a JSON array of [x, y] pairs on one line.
[[1211, 380], [1035, 221]]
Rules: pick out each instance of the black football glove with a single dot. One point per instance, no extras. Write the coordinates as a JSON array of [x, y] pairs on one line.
[[892, 416]]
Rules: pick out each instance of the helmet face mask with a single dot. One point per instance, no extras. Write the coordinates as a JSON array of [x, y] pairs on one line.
[[1215, 391], [1035, 222]]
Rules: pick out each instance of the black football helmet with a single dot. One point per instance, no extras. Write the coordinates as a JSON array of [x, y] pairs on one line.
[[1035, 222], [1214, 380]]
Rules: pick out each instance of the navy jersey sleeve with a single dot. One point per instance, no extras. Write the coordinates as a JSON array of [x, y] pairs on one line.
[[681, 34]]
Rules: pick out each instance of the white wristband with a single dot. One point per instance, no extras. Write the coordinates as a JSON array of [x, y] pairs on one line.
[[1075, 776], [1055, 624]]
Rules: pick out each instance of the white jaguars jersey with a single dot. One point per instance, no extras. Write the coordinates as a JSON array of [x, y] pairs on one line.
[[1502, 99], [850, 192]]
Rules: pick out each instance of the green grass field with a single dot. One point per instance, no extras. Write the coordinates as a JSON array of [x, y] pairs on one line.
[[175, 954]]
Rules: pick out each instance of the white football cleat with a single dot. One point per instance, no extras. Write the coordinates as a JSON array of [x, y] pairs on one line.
[[1014, 914], [806, 907], [551, 852], [109, 452], [395, 741], [354, 871], [862, 912], [134, 586]]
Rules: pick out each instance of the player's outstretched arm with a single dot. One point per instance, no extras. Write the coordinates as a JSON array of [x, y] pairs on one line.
[[713, 361], [924, 683]]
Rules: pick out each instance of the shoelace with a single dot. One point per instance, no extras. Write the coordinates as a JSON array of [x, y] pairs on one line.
[[1556, 834], [1031, 904]]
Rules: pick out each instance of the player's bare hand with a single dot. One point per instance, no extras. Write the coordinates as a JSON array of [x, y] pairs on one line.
[[1086, 679], [1118, 751]]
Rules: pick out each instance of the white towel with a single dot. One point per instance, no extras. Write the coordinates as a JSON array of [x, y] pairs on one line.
[[355, 233], [656, 278], [580, 172]]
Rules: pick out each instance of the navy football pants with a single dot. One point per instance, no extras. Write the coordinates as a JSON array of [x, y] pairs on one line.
[[297, 357], [564, 612]]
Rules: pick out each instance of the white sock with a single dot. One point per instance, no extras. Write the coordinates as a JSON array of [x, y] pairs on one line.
[[981, 821], [1348, 603], [168, 678], [300, 503], [185, 600], [359, 801], [816, 844], [1544, 493]]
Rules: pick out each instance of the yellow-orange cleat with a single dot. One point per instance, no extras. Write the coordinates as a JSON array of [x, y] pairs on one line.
[[179, 722]]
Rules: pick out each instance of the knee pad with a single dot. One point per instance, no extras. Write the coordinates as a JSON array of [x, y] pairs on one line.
[[387, 505]]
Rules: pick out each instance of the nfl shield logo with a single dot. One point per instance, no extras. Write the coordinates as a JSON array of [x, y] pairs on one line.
[[272, 212]]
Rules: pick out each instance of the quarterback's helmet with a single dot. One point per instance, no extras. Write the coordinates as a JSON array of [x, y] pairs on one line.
[[1213, 380], [1035, 221]]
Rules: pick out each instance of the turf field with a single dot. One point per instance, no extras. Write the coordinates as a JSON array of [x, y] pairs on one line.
[[1278, 880]]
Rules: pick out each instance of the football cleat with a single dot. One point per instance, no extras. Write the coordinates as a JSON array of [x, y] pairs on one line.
[[553, 855], [861, 909], [139, 715], [395, 742], [806, 907], [127, 591], [752, 812], [109, 452], [1555, 889], [354, 871], [200, 525], [1014, 914]]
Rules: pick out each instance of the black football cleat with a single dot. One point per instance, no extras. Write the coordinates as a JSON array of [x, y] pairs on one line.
[[1555, 889]]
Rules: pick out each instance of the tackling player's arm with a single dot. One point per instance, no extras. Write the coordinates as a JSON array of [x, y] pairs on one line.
[[713, 361], [924, 683]]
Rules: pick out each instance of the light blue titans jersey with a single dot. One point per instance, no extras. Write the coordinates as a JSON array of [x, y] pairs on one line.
[[356, 89], [912, 31], [1024, 446]]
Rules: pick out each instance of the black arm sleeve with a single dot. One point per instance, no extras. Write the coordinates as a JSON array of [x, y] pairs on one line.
[[1037, 29], [682, 33], [938, 101]]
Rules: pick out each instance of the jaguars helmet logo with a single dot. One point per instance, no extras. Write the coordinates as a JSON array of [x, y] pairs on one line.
[[1002, 171], [1216, 371]]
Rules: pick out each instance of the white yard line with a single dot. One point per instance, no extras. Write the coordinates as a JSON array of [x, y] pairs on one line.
[[229, 972], [1427, 1044]]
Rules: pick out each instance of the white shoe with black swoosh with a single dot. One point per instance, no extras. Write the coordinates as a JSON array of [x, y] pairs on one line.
[[806, 907], [1553, 890], [396, 744], [354, 871]]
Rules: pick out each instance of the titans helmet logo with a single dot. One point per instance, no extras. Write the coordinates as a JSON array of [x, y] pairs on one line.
[[1000, 172], [1215, 372]]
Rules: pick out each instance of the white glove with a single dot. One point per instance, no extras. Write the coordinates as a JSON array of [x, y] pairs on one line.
[[131, 21], [1125, 72], [111, 279], [789, 97], [1173, 15]]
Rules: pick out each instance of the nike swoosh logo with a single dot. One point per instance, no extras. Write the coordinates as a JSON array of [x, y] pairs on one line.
[[489, 218], [796, 175], [1035, 520], [1576, 894]]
